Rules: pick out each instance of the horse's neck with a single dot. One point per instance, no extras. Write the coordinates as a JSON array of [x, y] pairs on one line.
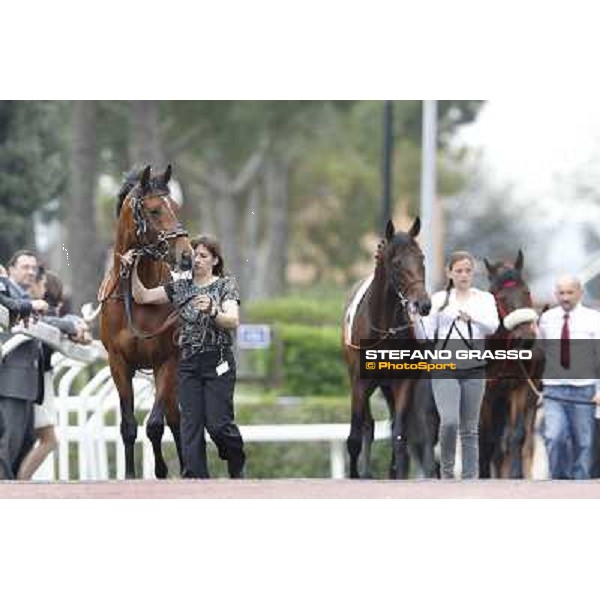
[[383, 306], [151, 272]]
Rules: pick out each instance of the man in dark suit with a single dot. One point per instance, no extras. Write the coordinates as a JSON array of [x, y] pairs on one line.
[[21, 377]]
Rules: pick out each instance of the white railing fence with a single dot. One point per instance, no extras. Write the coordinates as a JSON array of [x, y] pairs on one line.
[[88, 419], [88, 422]]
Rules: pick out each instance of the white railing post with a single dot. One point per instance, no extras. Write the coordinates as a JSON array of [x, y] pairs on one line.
[[336, 458]]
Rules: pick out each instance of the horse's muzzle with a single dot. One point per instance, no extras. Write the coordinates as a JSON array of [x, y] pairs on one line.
[[186, 262], [424, 307]]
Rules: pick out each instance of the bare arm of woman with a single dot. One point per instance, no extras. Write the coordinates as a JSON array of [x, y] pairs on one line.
[[228, 317], [142, 294]]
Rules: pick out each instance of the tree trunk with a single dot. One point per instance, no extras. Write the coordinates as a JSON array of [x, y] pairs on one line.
[[247, 275], [81, 254], [145, 144], [226, 210], [272, 276], [197, 211]]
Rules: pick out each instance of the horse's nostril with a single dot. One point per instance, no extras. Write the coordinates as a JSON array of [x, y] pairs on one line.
[[425, 308], [186, 262]]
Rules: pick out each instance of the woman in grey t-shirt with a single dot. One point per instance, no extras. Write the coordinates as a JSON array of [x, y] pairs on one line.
[[209, 313]]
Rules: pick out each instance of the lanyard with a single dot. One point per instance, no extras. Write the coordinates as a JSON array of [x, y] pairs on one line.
[[462, 337]]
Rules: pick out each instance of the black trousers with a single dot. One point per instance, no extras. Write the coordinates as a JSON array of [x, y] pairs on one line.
[[206, 402], [17, 435]]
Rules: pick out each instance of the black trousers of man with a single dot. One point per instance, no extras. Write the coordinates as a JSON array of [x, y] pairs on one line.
[[16, 434], [206, 401]]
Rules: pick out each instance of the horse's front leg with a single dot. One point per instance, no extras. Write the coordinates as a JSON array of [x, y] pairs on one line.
[[402, 395], [122, 375], [368, 437], [486, 435], [155, 427], [528, 445], [360, 393], [517, 432], [166, 390]]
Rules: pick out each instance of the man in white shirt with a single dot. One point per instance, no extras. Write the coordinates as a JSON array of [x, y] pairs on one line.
[[571, 334]]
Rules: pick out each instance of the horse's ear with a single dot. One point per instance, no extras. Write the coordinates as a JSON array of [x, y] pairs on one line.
[[519, 261], [167, 175], [145, 179], [416, 227], [489, 267], [390, 230]]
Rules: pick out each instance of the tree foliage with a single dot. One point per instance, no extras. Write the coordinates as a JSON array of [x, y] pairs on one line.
[[32, 166], [285, 182]]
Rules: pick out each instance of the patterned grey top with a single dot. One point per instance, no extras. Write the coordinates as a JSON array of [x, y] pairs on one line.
[[199, 332]]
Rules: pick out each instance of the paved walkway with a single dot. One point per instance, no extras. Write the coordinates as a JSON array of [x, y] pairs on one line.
[[304, 489]]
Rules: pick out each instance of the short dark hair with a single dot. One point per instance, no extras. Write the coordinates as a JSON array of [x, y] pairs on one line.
[[17, 255]]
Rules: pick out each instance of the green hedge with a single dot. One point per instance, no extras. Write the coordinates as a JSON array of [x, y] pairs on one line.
[[308, 337], [312, 361]]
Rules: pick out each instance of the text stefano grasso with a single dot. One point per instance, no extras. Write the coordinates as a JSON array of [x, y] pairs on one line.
[[381, 354]]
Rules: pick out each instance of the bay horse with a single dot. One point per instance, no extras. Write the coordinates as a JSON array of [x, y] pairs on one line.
[[379, 309], [148, 222], [508, 410]]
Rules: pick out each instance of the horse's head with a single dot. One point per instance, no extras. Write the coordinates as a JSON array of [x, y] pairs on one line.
[[149, 221], [513, 299], [404, 266]]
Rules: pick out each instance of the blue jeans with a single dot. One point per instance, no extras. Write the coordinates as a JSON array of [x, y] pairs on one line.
[[569, 430]]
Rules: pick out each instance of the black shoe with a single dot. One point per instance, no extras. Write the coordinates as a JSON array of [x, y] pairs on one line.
[[236, 471]]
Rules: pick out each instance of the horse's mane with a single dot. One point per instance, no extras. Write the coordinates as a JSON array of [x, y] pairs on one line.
[[132, 178]]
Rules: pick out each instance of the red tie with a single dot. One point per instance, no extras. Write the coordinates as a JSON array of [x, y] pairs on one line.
[[565, 353]]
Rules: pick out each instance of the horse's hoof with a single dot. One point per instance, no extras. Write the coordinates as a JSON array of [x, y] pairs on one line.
[[161, 471]]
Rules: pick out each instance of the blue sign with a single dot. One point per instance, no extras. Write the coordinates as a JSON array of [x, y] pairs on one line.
[[253, 336]]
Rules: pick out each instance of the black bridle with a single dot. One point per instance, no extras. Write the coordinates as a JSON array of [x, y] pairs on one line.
[[402, 308], [159, 248], [156, 250]]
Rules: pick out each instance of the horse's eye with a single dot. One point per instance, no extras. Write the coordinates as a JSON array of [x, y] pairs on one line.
[[155, 212]]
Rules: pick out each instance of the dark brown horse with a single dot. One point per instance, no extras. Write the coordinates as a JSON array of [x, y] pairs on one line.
[[508, 410], [148, 223], [379, 310]]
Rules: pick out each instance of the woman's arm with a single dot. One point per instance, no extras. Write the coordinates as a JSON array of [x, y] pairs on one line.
[[228, 316], [485, 313]]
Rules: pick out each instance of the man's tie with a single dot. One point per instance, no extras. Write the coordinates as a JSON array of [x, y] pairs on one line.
[[565, 353]]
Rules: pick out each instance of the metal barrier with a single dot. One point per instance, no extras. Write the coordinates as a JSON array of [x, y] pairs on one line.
[[82, 421], [83, 415]]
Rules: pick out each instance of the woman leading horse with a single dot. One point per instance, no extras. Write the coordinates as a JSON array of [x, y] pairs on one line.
[[143, 337]]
